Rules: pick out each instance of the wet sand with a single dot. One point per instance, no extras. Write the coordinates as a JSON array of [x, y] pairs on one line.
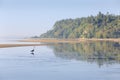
[[20, 45]]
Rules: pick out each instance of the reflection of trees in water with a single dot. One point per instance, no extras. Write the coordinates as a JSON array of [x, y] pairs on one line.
[[99, 52]]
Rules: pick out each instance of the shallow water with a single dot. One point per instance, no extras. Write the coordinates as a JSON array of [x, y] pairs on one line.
[[83, 61]]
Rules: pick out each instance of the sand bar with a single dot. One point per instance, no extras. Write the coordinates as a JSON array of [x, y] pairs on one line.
[[19, 45], [49, 40]]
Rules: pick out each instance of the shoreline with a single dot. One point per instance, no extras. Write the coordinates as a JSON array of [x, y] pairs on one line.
[[20, 45], [53, 40], [48, 41]]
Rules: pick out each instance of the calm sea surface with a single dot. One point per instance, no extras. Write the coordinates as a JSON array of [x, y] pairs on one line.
[[81, 61]]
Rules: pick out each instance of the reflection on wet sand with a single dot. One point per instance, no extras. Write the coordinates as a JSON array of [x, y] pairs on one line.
[[98, 52]]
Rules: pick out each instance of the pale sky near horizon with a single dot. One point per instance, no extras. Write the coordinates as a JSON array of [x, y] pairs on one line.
[[25, 18]]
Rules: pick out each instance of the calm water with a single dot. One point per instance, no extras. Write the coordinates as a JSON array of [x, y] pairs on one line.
[[83, 61]]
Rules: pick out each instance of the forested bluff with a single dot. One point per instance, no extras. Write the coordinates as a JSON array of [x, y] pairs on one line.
[[99, 26]]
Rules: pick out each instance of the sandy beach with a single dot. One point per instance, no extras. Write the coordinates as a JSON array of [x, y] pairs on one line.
[[20, 45], [50, 40]]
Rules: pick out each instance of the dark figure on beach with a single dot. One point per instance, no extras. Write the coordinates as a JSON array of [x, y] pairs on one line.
[[32, 51]]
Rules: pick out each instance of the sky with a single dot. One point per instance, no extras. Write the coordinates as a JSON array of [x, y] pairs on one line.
[[26, 18]]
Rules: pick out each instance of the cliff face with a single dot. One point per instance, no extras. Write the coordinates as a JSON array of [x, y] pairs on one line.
[[100, 26]]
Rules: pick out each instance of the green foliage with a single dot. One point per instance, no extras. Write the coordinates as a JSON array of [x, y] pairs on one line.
[[100, 26]]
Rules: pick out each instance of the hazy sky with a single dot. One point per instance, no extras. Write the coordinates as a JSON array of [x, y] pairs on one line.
[[25, 18]]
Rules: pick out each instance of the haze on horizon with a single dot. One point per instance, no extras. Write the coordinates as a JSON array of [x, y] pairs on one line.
[[26, 18]]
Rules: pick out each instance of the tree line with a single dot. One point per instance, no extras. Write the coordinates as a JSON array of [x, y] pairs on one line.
[[99, 26]]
